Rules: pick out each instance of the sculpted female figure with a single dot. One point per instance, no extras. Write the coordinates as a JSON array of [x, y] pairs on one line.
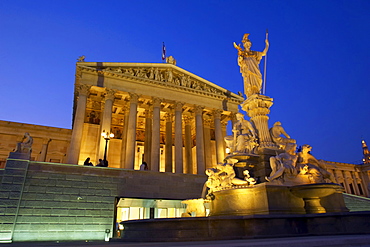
[[244, 135], [316, 171], [248, 61], [284, 163]]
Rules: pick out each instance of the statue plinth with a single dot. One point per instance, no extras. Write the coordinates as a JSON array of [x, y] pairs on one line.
[[20, 156], [257, 107]]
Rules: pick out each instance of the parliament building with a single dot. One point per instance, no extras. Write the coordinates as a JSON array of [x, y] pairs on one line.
[[159, 114]]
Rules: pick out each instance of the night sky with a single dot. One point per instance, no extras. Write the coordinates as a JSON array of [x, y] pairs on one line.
[[318, 69]]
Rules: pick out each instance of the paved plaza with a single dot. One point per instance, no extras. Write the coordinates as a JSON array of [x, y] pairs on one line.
[[313, 241]]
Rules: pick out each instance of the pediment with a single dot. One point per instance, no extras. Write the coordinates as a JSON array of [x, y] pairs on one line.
[[164, 74]]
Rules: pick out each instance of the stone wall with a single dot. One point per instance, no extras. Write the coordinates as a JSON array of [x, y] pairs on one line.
[[45, 201]]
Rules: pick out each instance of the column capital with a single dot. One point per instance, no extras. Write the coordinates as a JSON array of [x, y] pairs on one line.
[[109, 94], [207, 122], [187, 119], [217, 114], [134, 97], [156, 102], [223, 124], [168, 117], [199, 109], [83, 89], [178, 105]]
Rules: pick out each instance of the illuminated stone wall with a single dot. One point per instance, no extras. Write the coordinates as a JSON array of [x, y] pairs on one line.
[[44, 201], [50, 144]]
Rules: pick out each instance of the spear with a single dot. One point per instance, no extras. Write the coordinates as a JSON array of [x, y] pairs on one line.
[[264, 68]]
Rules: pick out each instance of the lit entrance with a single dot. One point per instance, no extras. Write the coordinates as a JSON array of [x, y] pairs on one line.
[[136, 208]]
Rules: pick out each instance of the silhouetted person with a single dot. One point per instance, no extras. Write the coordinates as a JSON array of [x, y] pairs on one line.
[[144, 166], [87, 162]]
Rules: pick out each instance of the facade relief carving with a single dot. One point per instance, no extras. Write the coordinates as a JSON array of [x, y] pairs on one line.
[[168, 75], [93, 117]]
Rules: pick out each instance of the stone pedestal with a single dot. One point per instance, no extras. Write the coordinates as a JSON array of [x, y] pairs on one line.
[[259, 199], [20, 156], [258, 107], [272, 200]]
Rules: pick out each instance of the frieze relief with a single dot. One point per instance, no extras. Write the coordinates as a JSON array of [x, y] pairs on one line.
[[164, 75]]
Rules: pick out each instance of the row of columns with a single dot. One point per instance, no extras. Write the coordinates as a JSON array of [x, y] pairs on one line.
[[152, 134], [351, 177]]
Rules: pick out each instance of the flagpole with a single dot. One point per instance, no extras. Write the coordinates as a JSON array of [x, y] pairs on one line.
[[264, 69]]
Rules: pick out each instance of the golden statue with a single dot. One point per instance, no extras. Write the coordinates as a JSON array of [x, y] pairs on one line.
[[248, 61]]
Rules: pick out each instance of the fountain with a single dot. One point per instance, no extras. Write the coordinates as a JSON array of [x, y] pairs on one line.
[[264, 188]]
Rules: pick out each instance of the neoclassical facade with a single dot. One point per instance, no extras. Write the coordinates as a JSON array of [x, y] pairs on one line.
[[159, 113]]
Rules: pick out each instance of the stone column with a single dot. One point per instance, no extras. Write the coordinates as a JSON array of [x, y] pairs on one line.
[[148, 136], [78, 124], [355, 185], [220, 145], [207, 142], [340, 178], [347, 181], [199, 139], [44, 150], [258, 106], [169, 142], [131, 132], [223, 127], [124, 136], [178, 138], [106, 120], [154, 163], [188, 145], [363, 181]]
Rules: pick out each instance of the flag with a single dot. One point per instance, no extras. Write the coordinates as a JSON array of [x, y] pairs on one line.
[[163, 52]]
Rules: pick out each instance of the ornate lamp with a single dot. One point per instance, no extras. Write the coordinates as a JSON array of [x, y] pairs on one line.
[[107, 136]]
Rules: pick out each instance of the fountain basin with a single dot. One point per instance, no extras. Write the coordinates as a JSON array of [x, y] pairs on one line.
[[312, 194]]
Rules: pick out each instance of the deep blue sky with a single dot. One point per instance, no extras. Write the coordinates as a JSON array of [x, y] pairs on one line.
[[318, 69]]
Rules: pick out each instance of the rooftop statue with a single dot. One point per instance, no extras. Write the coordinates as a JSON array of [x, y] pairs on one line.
[[248, 61], [26, 145], [245, 137], [316, 170], [171, 60], [279, 135], [81, 58]]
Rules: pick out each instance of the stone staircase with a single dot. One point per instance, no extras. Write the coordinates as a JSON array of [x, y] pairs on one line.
[[356, 203]]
